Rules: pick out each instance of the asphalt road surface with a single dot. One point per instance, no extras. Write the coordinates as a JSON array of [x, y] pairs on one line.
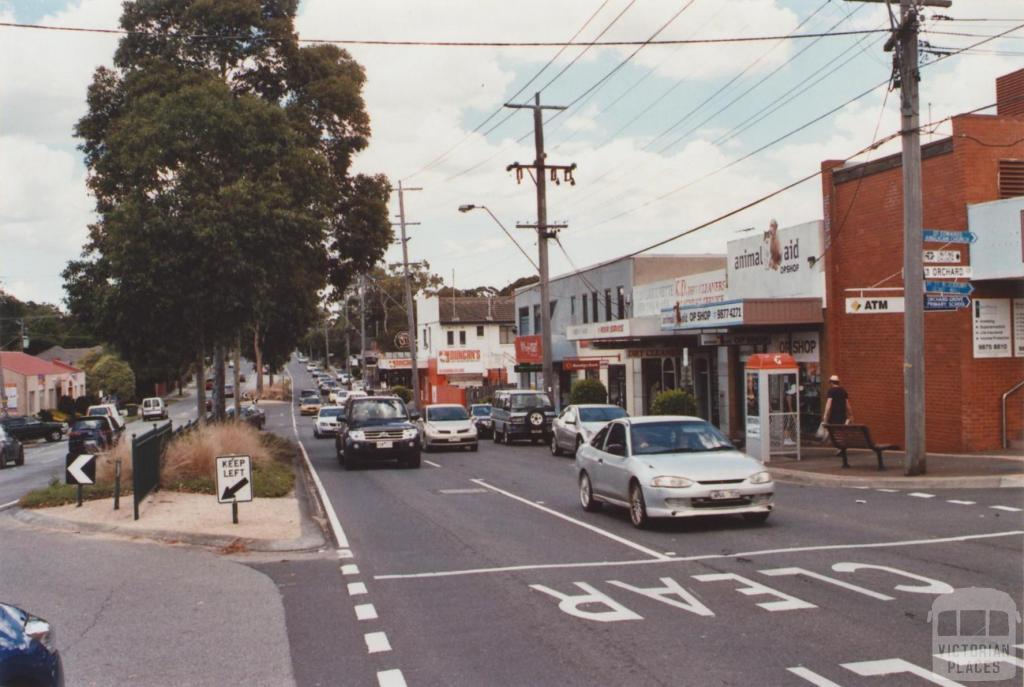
[[482, 569]]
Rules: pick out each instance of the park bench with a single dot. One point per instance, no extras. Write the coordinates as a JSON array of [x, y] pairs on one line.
[[856, 436]]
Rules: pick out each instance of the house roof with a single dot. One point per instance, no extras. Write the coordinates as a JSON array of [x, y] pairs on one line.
[[67, 368], [477, 310], [24, 364], [68, 355]]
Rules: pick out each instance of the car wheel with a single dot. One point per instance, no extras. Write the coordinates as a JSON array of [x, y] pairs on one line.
[[316, 434], [53, 436], [556, 450], [495, 437], [756, 518], [3, 461], [587, 494], [414, 462], [507, 436], [21, 456], [637, 507]]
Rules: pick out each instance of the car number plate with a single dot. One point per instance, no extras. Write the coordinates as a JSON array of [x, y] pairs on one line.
[[454, 440], [385, 444], [725, 494], [536, 431]]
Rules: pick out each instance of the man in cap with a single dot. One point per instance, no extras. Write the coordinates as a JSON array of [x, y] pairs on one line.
[[838, 410]]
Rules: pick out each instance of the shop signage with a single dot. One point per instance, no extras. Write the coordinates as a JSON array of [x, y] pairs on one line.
[[529, 367], [1018, 327], [459, 361], [776, 264], [942, 256], [11, 391], [991, 327], [947, 271], [803, 346], [394, 363], [948, 287], [573, 364], [941, 236], [702, 288], [758, 340], [652, 352], [999, 251], [598, 330], [529, 349], [870, 306], [724, 314], [945, 301]]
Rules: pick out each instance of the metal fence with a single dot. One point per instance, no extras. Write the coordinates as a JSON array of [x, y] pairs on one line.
[[147, 452]]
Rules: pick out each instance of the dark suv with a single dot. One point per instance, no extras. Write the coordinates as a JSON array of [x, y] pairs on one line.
[[377, 428], [25, 428], [522, 414]]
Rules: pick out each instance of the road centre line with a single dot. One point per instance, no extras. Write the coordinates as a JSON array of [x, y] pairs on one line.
[[604, 533], [921, 495], [356, 588], [960, 503], [391, 678], [703, 557], [1008, 509], [366, 612], [376, 642], [350, 569]]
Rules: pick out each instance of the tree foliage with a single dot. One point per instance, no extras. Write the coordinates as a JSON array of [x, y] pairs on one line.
[[402, 392], [110, 376], [674, 402], [588, 391]]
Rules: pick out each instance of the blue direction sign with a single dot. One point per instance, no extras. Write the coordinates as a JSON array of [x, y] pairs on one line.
[[942, 236], [942, 301], [964, 288]]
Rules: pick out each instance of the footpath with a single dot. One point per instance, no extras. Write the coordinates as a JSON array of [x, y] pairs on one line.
[[819, 465]]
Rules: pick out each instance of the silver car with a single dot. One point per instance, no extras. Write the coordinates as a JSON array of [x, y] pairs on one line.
[[671, 467], [578, 424]]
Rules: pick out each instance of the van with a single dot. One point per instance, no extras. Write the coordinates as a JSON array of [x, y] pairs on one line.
[[520, 415], [154, 409], [108, 410]]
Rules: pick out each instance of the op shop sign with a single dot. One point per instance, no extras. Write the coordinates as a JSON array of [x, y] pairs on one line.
[[777, 263]]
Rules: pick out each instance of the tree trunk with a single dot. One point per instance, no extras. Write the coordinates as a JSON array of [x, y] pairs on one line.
[[237, 376], [259, 360], [218, 382], [201, 386]]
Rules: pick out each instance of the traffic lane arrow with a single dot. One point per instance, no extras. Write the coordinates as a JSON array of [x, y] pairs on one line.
[[229, 492], [82, 469]]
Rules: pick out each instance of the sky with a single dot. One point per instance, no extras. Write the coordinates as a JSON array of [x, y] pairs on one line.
[[664, 138]]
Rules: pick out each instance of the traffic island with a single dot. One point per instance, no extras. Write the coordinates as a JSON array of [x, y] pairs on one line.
[[822, 467]]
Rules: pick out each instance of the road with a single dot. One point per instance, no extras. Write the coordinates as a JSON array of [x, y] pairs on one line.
[[482, 569]]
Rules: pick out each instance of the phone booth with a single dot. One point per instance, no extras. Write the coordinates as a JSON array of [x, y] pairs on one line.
[[773, 406]]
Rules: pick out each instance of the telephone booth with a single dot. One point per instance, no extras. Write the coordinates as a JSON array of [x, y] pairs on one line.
[[773, 406]]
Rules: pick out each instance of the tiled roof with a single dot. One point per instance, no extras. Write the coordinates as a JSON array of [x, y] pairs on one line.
[[64, 366], [25, 364], [68, 355], [477, 310]]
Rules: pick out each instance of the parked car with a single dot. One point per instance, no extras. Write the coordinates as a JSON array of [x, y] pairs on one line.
[[11, 450], [447, 424], [327, 421], [209, 384], [376, 429], [26, 428], [579, 423], [522, 414], [480, 414], [309, 402], [28, 650], [97, 429], [229, 390], [338, 397], [153, 408], [250, 414], [109, 410], [671, 467]]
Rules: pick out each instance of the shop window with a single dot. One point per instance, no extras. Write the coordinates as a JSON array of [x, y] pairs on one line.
[[480, 331], [1011, 178], [608, 305], [462, 337], [536, 319], [451, 338], [593, 305], [621, 297], [524, 321], [572, 309], [583, 308]]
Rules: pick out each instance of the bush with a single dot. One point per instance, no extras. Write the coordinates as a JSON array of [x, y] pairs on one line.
[[674, 402], [82, 404], [66, 405], [113, 376], [588, 391], [45, 415], [402, 392]]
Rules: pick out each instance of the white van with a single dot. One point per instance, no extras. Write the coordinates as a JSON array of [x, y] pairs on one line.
[[109, 410], [153, 409]]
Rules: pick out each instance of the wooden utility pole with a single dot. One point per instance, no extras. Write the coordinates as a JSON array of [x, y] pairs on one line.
[[545, 231], [410, 311]]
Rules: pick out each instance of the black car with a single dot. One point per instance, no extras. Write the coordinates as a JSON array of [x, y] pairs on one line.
[[480, 415], [521, 414], [11, 450], [28, 650], [25, 428], [97, 430], [376, 429]]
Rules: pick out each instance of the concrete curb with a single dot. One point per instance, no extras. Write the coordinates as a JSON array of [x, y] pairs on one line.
[[894, 482]]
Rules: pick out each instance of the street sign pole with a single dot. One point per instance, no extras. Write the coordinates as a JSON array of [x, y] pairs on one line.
[[234, 512]]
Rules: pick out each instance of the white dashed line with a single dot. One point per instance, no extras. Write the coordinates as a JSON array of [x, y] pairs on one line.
[[345, 553], [391, 678], [921, 495], [350, 569], [1008, 509], [431, 463], [8, 504], [356, 588], [366, 612], [960, 503], [888, 491], [377, 642]]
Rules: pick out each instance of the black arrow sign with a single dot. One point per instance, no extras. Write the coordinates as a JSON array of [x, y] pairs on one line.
[[229, 492]]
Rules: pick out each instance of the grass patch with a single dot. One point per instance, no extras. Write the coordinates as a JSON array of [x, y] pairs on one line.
[[270, 480], [59, 494]]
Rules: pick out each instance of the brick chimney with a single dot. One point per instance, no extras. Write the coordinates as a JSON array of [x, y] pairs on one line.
[[1010, 93]]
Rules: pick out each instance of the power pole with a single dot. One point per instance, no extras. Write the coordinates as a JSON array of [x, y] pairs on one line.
[[904, 42], [362, 328], [545, 231], [3, 386], [327, 346], [410, 311]]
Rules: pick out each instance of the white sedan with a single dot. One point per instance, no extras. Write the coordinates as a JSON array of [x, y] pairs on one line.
[[447, 424], [578, 424], [671, 467], [327, 420]]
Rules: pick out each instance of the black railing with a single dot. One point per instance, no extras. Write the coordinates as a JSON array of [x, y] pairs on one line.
[[147, 452]]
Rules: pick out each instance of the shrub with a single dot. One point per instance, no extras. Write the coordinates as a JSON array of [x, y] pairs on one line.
[[66, 405], [45, 415], [588, 391], [278, 392], [674, 402], [82, 404], [113, 376], [402, 392]]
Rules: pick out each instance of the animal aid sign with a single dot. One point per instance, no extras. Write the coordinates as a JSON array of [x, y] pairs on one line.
[[778, 263]]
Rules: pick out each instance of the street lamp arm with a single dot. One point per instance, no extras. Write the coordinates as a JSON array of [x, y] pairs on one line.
[[467, 208]]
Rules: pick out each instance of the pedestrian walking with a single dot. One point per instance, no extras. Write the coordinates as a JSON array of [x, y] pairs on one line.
[[838, 410]]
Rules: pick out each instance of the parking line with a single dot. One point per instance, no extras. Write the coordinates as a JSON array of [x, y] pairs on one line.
[[604, 533], [376, 642], [366, 612], [1008, 509], [390, 678]]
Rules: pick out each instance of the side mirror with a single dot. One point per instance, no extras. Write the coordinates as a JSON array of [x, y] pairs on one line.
[[615, 449]]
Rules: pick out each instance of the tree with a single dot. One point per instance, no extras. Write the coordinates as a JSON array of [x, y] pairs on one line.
[[402, 392], [111, 376], [674, 402], [588, 391]]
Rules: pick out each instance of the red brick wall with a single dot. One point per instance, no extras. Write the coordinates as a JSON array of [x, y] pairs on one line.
[[864, 229]]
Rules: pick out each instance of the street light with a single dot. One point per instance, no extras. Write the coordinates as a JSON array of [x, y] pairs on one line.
[[467, 207]]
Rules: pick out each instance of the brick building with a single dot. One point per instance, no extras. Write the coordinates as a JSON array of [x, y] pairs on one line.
[[981, 162]]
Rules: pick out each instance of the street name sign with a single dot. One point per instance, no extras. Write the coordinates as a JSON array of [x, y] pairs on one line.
[[948, 287], [945, 301], [234, 479], [80, 469], [941, 236], [947, 271], [942, 256]]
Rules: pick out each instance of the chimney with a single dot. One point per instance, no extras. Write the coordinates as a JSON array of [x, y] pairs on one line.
[[1010, 93]]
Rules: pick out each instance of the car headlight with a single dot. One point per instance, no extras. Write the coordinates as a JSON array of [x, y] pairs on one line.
[[671, 482], [763, 477], [357, 435], [409, 433]]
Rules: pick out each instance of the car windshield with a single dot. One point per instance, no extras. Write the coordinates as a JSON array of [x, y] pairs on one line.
[[330, 412], [89, 424], [97, 411], [676, 436], [377, 410], [310, 392], [601, 414], [525, 401], [481, 411], [446, 413]]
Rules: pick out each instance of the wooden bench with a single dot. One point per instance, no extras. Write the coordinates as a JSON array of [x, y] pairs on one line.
[[856, 436]]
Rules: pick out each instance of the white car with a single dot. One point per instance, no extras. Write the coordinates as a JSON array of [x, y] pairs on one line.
[[109, 410], [327, 421], [153, 409], [578, 424], [671, 467], [337, 397], [447, 424]]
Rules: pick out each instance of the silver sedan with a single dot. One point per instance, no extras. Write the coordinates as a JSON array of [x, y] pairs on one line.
[[671, 467], [578, 424]]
